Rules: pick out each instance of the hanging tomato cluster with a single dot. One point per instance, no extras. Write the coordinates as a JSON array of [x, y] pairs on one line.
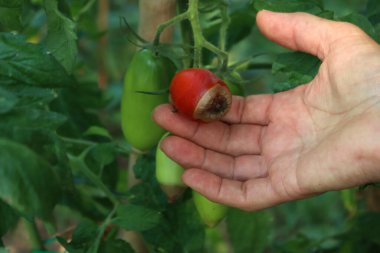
[[195, 93]]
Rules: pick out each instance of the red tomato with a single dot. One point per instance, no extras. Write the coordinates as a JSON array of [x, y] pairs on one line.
[[200, 95]]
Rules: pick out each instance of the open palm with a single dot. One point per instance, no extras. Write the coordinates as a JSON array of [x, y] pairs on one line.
[[274, 148]]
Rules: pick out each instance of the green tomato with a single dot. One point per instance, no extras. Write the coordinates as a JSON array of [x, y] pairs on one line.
[[149, 73], [211, 213], [169, 174]]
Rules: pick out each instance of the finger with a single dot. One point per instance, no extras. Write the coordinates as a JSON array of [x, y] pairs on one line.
[[190, 155], [250, 110], [249, 195], [303, 32], [232, 139]]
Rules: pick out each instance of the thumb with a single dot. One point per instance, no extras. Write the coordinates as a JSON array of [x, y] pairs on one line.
[[305, 32]]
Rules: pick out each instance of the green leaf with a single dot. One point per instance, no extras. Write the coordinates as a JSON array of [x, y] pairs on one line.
[[148, 193], [31, 96], [115, 246], [10, 218], [10, 18], [360, 21], [98, 131], [11, 4], [30, 64], [240, 27], [294, 68], [27, 183], [80, 109], [144, 167], [61, 38], [180, 230], [138, 218], [249, 231], [367, 227], [30, 119], [7, 101], [83, 237], [189, 229], [311, 6]]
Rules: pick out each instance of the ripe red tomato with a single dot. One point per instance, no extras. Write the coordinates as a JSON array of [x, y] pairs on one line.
[[200, 94]]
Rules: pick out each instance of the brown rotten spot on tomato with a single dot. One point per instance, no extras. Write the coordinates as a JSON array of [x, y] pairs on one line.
[[200, 95]]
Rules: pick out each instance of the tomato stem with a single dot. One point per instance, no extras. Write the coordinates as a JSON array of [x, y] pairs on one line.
[[200, 42], [224, 26], [102, 228], [78, 163], [197, 31], [168, 23]]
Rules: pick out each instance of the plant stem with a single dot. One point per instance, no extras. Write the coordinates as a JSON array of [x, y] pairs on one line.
[[78, 141], [197, 32], [186, 33], [79, 164], [222, 55], [34, 235], [96, 181], [224, 26], [85, 8], [192, 15], [168, 23], [102, 228]]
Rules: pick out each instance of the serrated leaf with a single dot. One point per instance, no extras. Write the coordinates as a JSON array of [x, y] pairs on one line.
[[29, 95], [137, 218], [83, 237], [190, 230], [144, 167], [180, 228], [61, 38], [311, 6], [30, 64], [295, 68], [7, 101], [31, 119], [249, 231], [27, 183]]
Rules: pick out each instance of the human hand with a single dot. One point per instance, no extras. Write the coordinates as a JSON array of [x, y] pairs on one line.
[[274, 148]]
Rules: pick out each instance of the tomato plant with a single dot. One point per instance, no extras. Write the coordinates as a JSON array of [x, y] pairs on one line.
[[78, 82]]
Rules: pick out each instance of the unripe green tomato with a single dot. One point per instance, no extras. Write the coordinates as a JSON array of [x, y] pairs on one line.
[[150, 73], [211, 213], [169, 174]]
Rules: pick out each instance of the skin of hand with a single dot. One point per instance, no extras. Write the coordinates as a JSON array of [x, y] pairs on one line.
[[273, 148]]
